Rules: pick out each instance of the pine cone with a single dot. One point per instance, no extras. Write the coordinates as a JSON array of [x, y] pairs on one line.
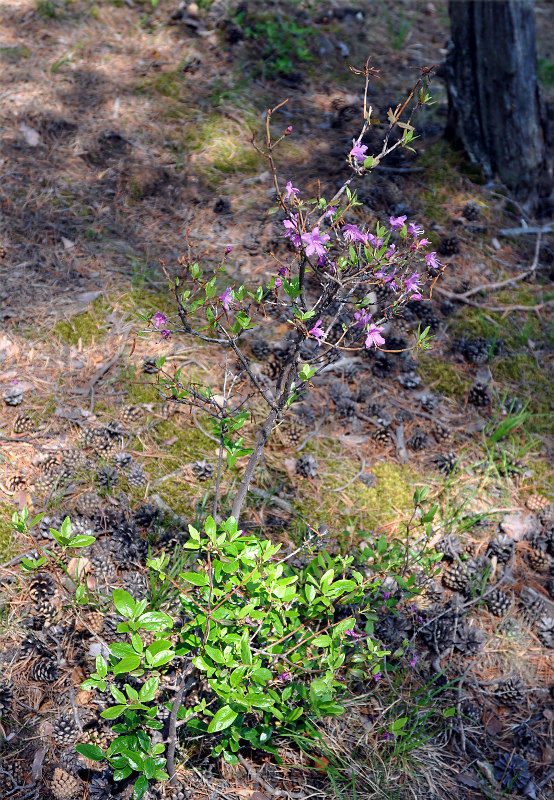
[[102, 786], [14, 483], [449, 246], [24, 423], [471, 211], [148, 514], [136, 476], [65, 730], [409, 382], [479, 395], [546, 631], [532, 609], [46, 613], [449, 545], [202, 470], [42, 587], [418, 441], [149, 366], [6, 698], [536, 502], [428, 402], [469, 640], [306, 466], [65, 786], [445, 463], [261, 349], [291, 433], [13, 396], [33, 644], [131, 414], [44, 670], [502, 546], [441, 432], [512, 771], [455, 577], [498, 603], [122, 459], [540, 560], [88, 504], [511, 691]]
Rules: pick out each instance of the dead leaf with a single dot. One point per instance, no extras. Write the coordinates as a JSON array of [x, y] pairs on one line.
[[467, 780], [31, 136], [517, 526], [67, 243]]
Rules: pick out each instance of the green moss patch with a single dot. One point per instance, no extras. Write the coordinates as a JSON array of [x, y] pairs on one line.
[[442, 377], [86, 326], [6, 531]]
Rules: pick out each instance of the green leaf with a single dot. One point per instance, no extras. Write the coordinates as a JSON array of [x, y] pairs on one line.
[[398, 723], [149, 689], [155, 621], [113, 712], [259, 700], [215, 654], [262, 675], [122, 773], [124, 602], [127, 665], [196, 578], [223, 719], [101, 666], [164, 657], [134, 759], [118, 695], [81, 541], [140, 787], [321, 641], [245, 652], [91, 751]]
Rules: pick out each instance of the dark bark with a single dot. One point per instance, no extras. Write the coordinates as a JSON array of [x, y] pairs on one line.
[[494, 104]]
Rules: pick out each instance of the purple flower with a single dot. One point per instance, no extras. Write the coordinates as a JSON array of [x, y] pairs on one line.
[[362, 318], [278, 282], [353, 634], [377, 676], [165, 334], [413, 661], [353, 234], [371, 239], [415, 230], [291, 227], [374, 337], [317, 332], [397, 222], [314, 242], [420, 619], [388, 736], [288, 130], [290, 190], [386, 595], [412, 284], [226, 298], [390, 251], [330, 211], [282, 271], [388, 279], [432, 261], [358, 151], [159, 320], [286, 677], [228, 249]]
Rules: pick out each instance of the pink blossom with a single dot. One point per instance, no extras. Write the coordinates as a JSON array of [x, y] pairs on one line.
[[288, 130], [358, 151], [282, 271], [353, 634], [159, 320], [286, 677], [330, 211], [362, 318], [353, 234], [278, 282], [414, 229], [314, 242], [390, 251], [413, 661], [397, 222], [432, 261], [377, 676], [412, 283], [228, 249], [291, 228], [226, 298], [388, 736], [374, 337], [317, 332], [388, 280], [165, 334], [290, 191]]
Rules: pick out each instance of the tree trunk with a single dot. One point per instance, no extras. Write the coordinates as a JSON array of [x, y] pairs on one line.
[[494, 104]]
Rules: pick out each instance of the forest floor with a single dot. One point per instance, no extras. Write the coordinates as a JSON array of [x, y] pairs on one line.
[[126, 134]]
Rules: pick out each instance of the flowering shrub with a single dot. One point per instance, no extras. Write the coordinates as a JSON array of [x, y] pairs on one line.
[[326, 291]]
